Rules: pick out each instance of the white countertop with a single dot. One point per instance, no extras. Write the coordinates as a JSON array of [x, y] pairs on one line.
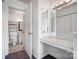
[[59, 43]]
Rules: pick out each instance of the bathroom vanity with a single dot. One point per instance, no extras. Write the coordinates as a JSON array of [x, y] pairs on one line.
[[61, 28], [59, 43]]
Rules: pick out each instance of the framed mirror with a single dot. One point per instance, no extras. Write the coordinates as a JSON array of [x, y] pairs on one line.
[[52, 22], [44, 22], [20, 26]]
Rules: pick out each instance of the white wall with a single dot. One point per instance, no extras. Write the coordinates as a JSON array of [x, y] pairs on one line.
[[43, 5], [37, 6], [35, 28], [5, 38], [5, 16], [14, 14]]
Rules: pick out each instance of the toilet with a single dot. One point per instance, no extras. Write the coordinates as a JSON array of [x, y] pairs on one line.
[[13, 38]]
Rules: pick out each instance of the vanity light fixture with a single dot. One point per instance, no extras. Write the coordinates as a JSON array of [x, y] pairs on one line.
[[61, 4], [18, 19], [67, 1]]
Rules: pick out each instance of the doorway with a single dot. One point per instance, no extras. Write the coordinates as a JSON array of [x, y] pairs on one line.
[[16, 33]]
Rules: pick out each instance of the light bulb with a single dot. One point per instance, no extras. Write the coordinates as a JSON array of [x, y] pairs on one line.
[[18, 19], [68, 1], [57, 4], [61, 3]]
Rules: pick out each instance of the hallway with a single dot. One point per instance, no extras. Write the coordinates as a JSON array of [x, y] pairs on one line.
[[18, 55]]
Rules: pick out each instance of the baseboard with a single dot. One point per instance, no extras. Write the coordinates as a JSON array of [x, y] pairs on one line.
[[34, 54], [43, 55], [33, 57], [49, 57]]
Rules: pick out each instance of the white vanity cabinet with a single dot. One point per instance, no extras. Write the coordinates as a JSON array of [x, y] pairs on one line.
[[66, 25], [66, 33]]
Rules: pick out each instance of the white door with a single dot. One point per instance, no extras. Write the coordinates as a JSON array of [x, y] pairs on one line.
[[28, 34]]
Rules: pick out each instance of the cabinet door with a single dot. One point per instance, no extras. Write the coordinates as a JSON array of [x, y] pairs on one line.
[[63, 27], [74, 23]]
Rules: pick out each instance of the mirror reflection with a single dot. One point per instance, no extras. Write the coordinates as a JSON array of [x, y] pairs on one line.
[[61, 21]]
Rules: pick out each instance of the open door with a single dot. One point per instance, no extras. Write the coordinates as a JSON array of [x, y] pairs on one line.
[[28, 33]]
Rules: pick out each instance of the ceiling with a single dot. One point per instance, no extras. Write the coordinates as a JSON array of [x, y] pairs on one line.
[[51, 1], [25, 1]]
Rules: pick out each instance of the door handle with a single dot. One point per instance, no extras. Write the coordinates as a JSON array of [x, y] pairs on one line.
[[29, 33]]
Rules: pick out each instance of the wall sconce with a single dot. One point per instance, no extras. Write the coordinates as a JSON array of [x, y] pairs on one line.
[[60, 5], [20, 21]]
